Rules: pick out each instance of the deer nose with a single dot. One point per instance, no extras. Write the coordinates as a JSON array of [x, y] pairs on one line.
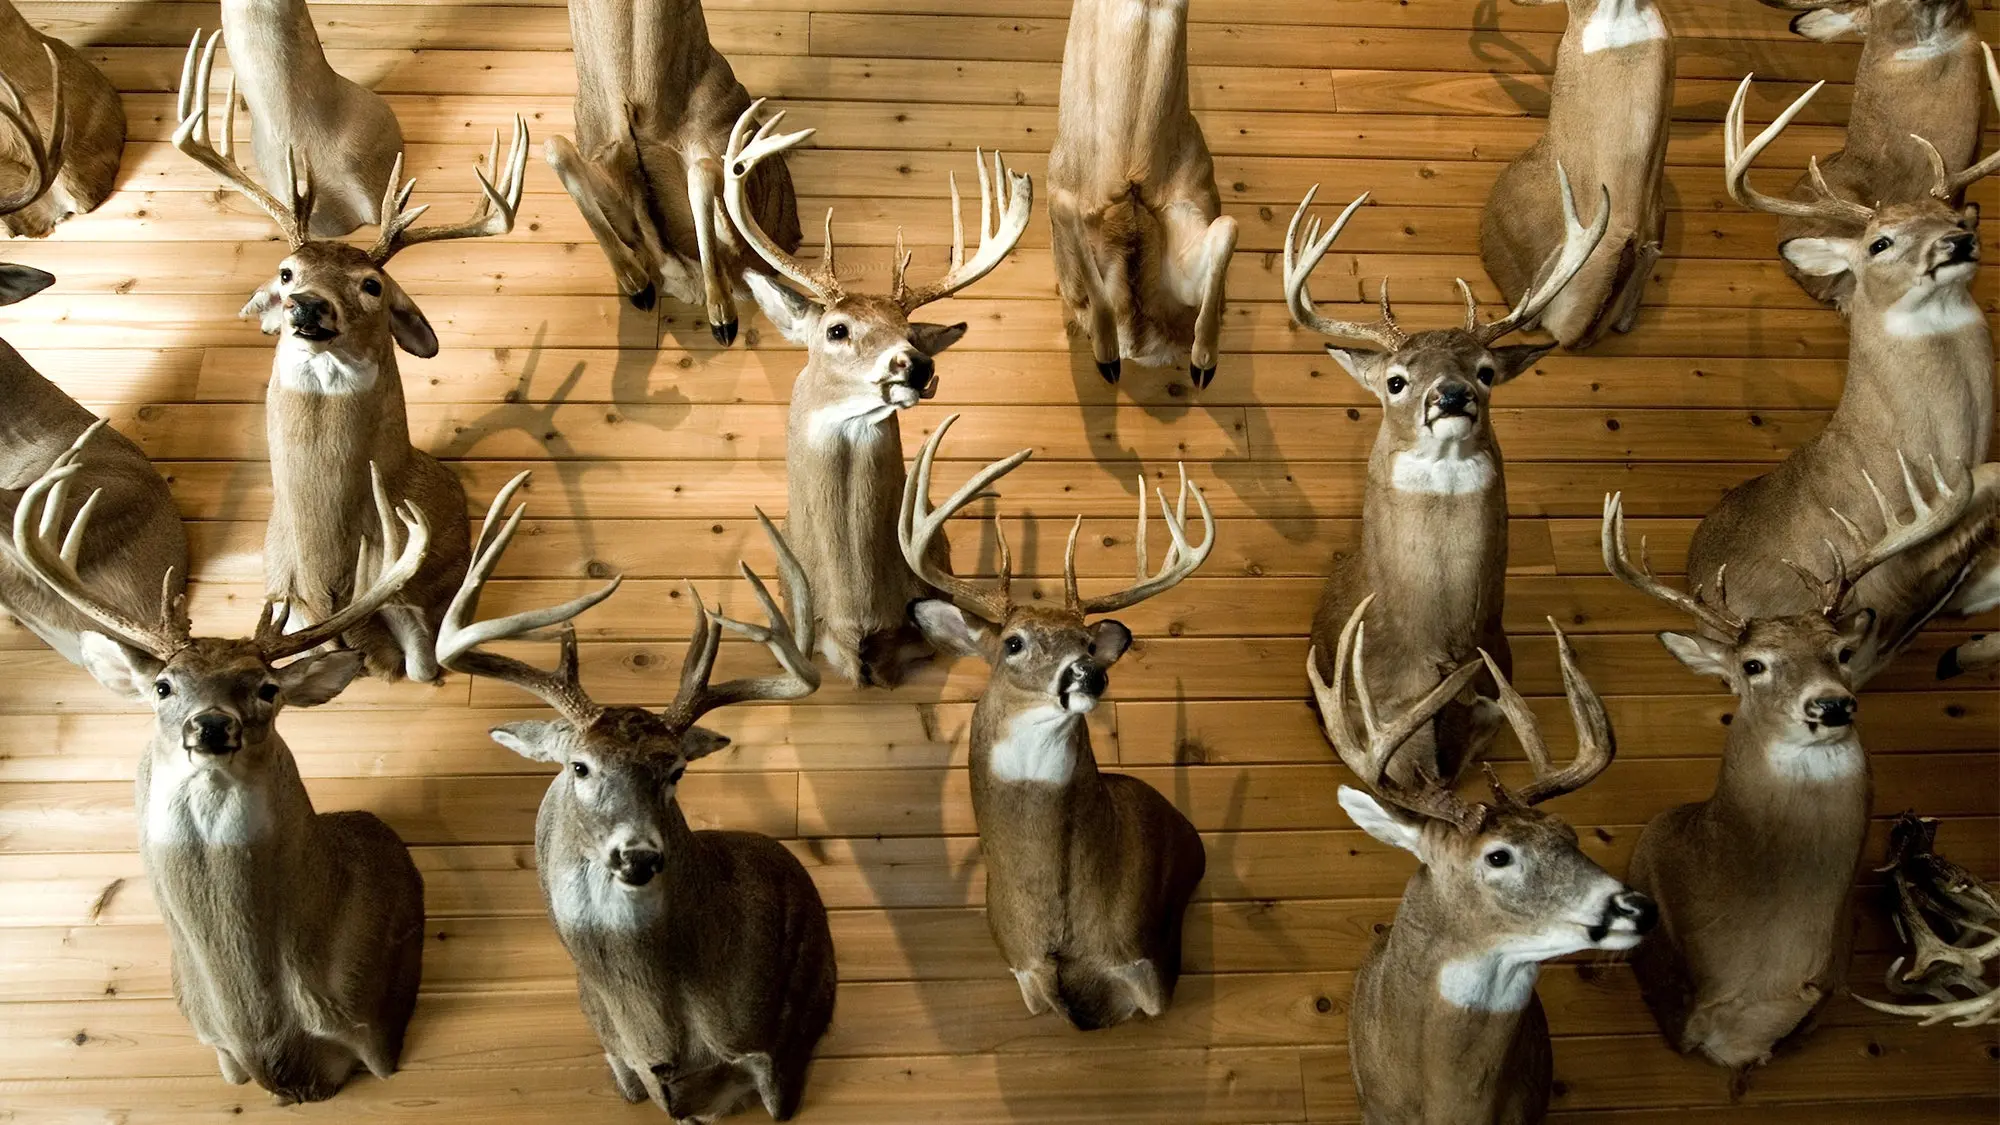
[[1454, 398], [1086, 677], [212, 732], [1964, 246], [1831, 711], [1636, 908], [307, 308], [914, 369], [635, 867]]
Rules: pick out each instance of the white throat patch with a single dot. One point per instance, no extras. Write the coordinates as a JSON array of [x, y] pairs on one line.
[[586, 897], [1493, 983], [1441, 468], [847, 419], [1931, 48], [1817, 761], [203, 807], [1934, 311], [1035, 747], [323, 372], [1622, 23]]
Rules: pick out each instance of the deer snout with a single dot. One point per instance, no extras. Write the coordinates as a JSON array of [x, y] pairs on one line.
[[1081, 684], [915, 370], [1635, 908], [1454, 400], [1831, 710], [1960, 247], [212, 732], [636, 865], [310, 315]]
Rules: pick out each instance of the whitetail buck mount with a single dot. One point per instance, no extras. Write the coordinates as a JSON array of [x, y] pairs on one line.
[[1445, 1024], [704, 962], [1141, 245], [1755, 884], [74, 171], [1610, 104], [346, 137], [1919, 75], [655, 106], [1435, 478], [1917, 405], [297, 937], [334, 406], [136, 546], [1950, 919], [1088, 874], [866, 362]]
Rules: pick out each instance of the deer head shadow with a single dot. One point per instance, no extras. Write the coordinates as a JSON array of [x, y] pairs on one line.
[[1490, 45]]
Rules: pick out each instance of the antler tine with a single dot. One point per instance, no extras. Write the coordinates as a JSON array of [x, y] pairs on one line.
[[499, 203], [1302, 257], [1715, 618], [1947, 186], [388, 578], [38, 517], [192, 138], [1928, 518], [44, 157], [1596, 745], [459, 638], [1369, 760], [1002, 221], [750, 144], [1578, 243], [918, 524], [1738, 157], [1982, 1007], [789, 636], [1181, 560]]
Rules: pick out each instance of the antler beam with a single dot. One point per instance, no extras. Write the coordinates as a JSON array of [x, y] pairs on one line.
[[789, 637], [499, 201], [384, 579], [191, 137], [1302, 256], [1715, 618], [1000, 230], [1738, 157], [746, 150]]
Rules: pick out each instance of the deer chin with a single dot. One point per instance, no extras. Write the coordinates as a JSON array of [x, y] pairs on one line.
[[1450, 427], [1078, 702]]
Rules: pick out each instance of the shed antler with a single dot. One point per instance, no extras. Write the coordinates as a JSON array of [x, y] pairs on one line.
[[790, 639], [1595, 744], [1000, 230], [498, 203], [384, 579], [1370, 753], [1302, 257], [459, 638], [44, 157], [1716, 617], [192, 138], [918, 524], [1578, 243], [1945, 185], [746, 151], [53, 558], [1181, 561], [1928, 886], [1828, 207]]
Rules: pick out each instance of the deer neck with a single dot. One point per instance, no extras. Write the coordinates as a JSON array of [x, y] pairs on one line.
[[327, 415], [844, 480], [1789, 794], [1034, 782], [1920, 376], [274, 48], [1608, 25], [1926, 32], [1125, 72], [1451, 495], [40, 421]]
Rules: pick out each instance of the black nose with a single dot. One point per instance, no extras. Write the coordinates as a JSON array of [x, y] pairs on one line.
[[307, 309], [212, 732], [1088, 677], [1637, 907], [916, 369], [1833, 711], [1964, 247], [1453, 398], [637, 866]]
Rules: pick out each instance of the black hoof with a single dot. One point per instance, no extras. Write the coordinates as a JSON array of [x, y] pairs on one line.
[[1201, 376], [1948, 664], [1111, 370], [644, 299], [724, 333]]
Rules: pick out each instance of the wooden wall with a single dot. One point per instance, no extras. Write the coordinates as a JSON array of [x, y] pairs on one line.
[[651, 445]]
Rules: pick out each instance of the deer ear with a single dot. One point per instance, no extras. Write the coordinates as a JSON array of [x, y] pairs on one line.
[[267, 307], [699, 742], [406, 322], [1380, 821], [538, 740], [316, 679], [1516, 358], [18, 283], [1825, 24], [1860, 628], [1109, 641], [951, 628], [1358, 362], [119, 666], [795, 316], [1968, 216], [1820, 257], [931, 339], [1702, 656]]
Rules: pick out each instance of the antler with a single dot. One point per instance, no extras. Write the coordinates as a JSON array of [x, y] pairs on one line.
[[1928, 884], [1595, 744], [1578, 243], [1000, 229], [1300, 261], [1180, 562], [495, 214], [746, 151], [38, 518], [918, 524], [1927, 519], [1715, 618], [192, 138], [388, 579], [1829, 207], [1946, 186], [459, 638], [1370, 759], [789, 639], [44, 157]]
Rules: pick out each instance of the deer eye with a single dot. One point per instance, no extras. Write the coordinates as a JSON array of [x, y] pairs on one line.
[[371, 286], [1485, 376], [285, 275], [579, 769], [674, 778], [1846, 655], [1397, 383], [1015, 645], [1879, 245], [268, 692], [836, 332], [1499, 857], [1753, 667], [162, 688]]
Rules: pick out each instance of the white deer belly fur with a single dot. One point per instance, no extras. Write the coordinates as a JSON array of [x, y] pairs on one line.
[[1035, 748], [1934, 312], [1801, 760], [1618, 23], [205, 808], [1439, 469], [325, 373]]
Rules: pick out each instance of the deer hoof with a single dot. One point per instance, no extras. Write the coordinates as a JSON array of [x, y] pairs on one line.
[[1948, 666], [724, 333], [1110, 370], [1201, 376], [644, 299]]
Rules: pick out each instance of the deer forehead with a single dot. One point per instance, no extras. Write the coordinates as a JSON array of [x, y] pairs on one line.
[[1430, 356], [329, 260], [216, 660]]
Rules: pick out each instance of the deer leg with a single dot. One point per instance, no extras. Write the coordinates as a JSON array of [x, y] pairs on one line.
[[1076, 264], [232, 1071], [417, 639], [1625, 309], [704, 188], [631, 1087], [1204, 262], [610, 217], [764, 1074]]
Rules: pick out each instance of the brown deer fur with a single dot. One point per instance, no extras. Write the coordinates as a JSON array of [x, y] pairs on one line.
[[93, 124]]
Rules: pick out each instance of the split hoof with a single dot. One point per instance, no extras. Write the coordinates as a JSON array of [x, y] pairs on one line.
[[644, 299], [724, 333], [1111, 371], [1201, 376]]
